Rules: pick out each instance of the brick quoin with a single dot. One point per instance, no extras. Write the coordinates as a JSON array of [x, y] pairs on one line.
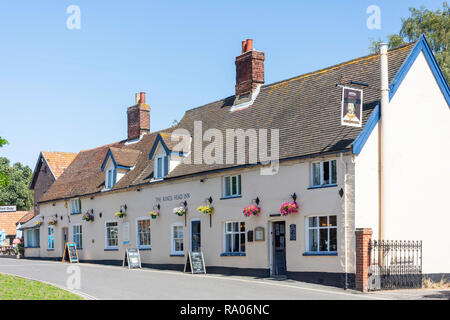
[[363, 238]]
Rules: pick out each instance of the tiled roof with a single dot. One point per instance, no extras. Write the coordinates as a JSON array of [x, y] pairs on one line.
[[26, 217], [305, 109], [125, 157], [58, 161], [8, 221]]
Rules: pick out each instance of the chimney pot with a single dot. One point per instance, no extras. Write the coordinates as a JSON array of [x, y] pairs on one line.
[[142, 98]]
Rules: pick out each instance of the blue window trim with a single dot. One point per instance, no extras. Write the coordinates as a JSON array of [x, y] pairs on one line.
[[155, 145], [233, 254], [231, 197], [320, 253], [111, 249], [421, 46], [176, 255], [323, 186]]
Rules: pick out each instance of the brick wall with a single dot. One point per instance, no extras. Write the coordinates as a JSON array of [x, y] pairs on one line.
[[138, 120], [44, 181], [363, 237]]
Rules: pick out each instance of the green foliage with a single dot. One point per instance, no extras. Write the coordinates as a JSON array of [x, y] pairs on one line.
[[16, 191], [2, 142], [436, 27], [4, 179]]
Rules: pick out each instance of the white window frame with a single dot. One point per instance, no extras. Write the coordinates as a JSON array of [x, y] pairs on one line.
[[109, 181], [79, 233], [75, 206], [138, 244], [318, 228], [225, 233], [172, 238], [238, 186], [53, 238], [162, 157], [321, 172], [106, 234]]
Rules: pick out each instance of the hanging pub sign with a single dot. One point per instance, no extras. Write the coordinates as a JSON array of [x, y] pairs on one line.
[[132, 258], [195, 263], [351, 107], [70, 252]]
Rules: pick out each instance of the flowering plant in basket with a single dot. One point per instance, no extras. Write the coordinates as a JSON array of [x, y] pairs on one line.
[[179, 211], [288, 207], [252, 210]]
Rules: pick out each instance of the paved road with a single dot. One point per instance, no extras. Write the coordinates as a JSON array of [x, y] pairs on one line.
[[110, 282]]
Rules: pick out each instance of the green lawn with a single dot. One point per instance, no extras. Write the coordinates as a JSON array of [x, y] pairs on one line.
[[16, 288]]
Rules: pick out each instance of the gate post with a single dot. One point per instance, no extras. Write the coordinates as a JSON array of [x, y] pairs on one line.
[[363, 238]]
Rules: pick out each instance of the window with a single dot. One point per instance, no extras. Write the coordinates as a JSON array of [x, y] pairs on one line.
[[110, 178], [234, 237], [32, 238], [232, 186], [112, 239], [143, 233], [75, 206], [161, 166], [77, 236], [324, 173], [177, 239], [51, 238], [321, 232]]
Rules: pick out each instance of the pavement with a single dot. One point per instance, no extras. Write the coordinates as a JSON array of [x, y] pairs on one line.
[[94, 281]]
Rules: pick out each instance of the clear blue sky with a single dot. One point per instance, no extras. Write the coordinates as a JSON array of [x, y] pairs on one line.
[[68, 90]]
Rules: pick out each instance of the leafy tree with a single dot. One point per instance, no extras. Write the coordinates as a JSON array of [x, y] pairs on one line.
[[16, 192], [435, 26], [4, 179]]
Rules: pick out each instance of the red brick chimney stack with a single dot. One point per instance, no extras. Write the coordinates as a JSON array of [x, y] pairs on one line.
[[138, 118], [249, 68]]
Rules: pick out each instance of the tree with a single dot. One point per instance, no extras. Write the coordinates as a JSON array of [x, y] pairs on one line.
[[435, 26], [4, 179], [16, 192]]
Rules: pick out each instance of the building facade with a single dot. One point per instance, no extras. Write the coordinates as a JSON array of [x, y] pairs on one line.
[[104, 200]]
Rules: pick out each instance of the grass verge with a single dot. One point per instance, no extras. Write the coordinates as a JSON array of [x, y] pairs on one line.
[[16, 288]]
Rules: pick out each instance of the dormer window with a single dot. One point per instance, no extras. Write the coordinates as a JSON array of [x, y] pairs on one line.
[[117, 163], [161, 166]]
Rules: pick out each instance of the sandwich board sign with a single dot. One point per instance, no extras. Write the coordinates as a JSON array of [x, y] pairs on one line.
[[195, 263], [70, 252], [132, 258]]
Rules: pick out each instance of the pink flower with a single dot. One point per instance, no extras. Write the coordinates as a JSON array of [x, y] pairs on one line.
[[288, 208], [252, 210]]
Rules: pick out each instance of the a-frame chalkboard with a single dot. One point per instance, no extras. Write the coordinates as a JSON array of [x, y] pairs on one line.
[[132, 258], [70, 252], [195, 263]]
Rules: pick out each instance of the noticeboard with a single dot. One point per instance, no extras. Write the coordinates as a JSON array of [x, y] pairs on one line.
[[132, 258], [195, 263], [70, 252]]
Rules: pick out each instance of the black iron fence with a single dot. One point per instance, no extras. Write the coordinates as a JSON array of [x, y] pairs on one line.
[[395, 264]]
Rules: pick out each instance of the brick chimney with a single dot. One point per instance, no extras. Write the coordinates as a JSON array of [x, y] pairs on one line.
[[249, 68], [138, 118]]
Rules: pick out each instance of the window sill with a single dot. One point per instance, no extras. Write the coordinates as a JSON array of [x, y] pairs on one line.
[[233, 254], [177, 254], [230, 197], [323, 186], [144, 248], [32, 247], [332, 253], [50, 249], [72, 213], [111, 249]]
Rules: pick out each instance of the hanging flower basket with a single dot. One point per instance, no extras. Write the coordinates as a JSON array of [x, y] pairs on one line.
[[52, 222], [154, 214], [252, 210], [288, 208], [38, 223], [88, 217], [120, 214], [180, 211], [206, 209]]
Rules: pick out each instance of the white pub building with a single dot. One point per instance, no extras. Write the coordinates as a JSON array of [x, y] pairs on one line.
[[287, 179]]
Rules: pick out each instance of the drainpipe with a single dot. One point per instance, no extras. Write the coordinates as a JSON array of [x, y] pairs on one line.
[[384, 109], [345, 169]]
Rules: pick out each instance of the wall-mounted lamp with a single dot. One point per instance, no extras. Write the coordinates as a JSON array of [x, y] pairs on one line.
[[100, 214], [138, 189], [257, 201], [210, 200], [294, 197], [157, 206], [123, 208]]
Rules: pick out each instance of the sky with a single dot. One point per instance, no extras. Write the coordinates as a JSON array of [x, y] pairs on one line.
[[66, 89]]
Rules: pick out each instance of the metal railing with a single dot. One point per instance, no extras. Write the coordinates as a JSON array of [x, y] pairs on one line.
[[395, 264]]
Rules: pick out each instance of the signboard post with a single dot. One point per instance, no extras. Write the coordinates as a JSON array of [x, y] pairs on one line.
[[132, 258], [195, 263], [70, 252]]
